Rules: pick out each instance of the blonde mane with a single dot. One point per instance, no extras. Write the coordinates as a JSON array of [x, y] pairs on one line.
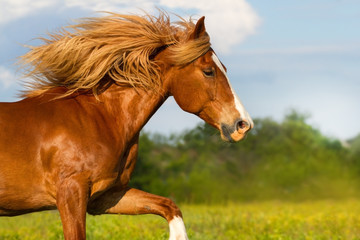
[[99, 51]]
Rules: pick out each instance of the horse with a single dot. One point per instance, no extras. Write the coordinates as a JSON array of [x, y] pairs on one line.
[[71, 143]]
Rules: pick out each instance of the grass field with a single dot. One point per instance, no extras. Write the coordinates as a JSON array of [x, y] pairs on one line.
[[259, 220]]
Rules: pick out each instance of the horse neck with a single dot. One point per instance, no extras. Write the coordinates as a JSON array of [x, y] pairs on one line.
[[131, 108]]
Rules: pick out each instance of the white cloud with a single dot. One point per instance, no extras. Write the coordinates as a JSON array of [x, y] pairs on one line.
[[14, 9], [7, 78], [123, 6], [228, 22]]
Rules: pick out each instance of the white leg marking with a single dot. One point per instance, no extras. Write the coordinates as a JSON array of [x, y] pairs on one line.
[[238, 105], [177, 229]]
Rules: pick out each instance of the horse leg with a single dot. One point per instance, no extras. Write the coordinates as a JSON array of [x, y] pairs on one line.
[[131, 201], [71, 201]]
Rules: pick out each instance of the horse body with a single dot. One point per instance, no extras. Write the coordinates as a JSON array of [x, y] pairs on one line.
[[76, 152], [68, 136]]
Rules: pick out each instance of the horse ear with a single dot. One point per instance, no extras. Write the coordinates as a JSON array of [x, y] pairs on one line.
[[199, 29]]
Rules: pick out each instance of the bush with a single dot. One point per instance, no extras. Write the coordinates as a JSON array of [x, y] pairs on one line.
[[287, 160]]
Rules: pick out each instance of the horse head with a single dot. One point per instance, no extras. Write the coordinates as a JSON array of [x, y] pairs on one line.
[[203, 88]]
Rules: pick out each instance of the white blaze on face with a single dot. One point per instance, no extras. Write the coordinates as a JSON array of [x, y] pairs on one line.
[[238, 105], [177, 229]]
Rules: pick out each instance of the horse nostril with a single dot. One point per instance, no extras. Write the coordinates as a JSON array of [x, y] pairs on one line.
[[242, 125]]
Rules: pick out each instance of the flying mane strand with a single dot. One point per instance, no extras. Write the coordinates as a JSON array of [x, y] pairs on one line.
[[114, 48]]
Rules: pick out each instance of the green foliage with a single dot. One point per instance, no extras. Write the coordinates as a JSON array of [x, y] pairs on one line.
[[287, 160], [354, 152]]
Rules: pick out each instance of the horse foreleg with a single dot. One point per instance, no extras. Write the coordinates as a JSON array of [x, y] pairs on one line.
[[133, 202], [71, 201]]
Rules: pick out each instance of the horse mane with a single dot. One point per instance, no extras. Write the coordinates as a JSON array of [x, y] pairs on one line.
[[99, 51]]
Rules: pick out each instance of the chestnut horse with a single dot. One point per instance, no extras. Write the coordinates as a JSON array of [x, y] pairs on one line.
[[71, 144]]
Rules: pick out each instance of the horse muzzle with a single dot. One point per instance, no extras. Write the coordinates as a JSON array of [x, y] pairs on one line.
[[236, 131]]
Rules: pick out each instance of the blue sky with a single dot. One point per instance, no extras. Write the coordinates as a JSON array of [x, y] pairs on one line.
[[279, 54]]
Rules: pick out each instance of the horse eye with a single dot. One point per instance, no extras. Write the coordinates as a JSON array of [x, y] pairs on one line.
[[209, 72]]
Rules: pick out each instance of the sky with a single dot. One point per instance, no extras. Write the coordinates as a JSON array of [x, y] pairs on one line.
[[280, 55]]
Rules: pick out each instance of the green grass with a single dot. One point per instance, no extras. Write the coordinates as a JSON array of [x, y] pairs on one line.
[[259, 220]]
